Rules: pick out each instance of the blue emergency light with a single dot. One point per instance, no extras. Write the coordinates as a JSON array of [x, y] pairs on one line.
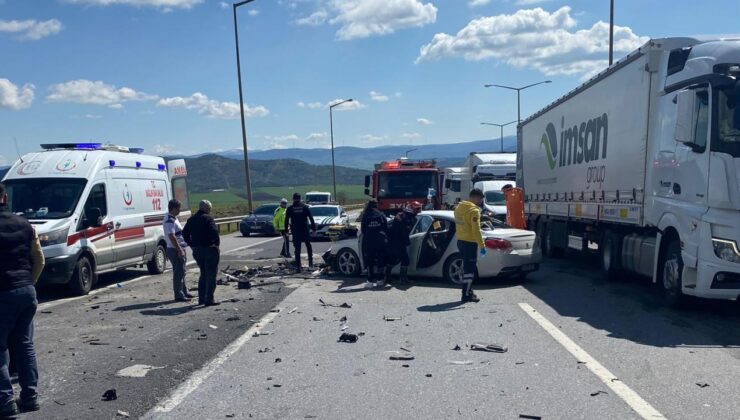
[[75, 146], [111, 163], [161, 167], [138, 164], [137, 150]]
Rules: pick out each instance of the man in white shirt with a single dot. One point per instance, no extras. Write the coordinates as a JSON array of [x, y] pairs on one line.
[[176, 251]]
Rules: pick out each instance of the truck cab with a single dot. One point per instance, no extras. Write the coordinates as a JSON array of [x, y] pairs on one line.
[[398, 184]]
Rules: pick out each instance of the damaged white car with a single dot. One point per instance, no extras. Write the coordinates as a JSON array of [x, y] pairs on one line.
[[433, 251]]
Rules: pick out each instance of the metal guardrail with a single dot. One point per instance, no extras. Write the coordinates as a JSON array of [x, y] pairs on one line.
[[235, 220]]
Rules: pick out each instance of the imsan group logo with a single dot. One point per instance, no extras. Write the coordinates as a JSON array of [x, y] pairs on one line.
[[66, 165], [128, 198], [584, 142]]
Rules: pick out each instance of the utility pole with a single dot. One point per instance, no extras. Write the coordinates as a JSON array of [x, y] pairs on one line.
[[241, 108], [518, 95], [331, 130], [501, 126]]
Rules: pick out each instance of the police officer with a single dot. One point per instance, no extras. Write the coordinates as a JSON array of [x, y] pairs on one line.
[[21, 263], [398, 240], [374, 228], [278, 222], [298, 218], [469, 239], [201, 234]]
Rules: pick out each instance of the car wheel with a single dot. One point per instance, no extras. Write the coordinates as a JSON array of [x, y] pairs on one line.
[[158, 263], [245, 233], [453, 269], [348, 263], [672, 275], [83, 277]]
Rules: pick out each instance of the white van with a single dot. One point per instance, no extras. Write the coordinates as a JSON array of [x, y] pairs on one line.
[[318, 197], [95, 208], [493, 198]]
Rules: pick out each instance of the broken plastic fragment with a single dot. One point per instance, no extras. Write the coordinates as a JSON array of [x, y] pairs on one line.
[[404, 357], [387, 318], [110, 395], [702, 384], [457, 347], [348, 338], [461, 362], [493, 348], [123, 414], [293, 310], [593, 394]]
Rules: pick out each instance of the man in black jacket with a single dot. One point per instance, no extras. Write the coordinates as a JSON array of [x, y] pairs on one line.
[[398, 241], [297, 220], [374, 241], [201, 234], [21, 262]]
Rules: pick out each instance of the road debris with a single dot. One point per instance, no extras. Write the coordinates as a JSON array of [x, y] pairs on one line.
[[213, 327], [528, 417], [404, 357], [493, 348], [405, 349], [123, 414], [278, 360], [202, 337], [390, 319], [233, 318], [461, 362], [428, 375], [110, 395], [593, 394], [348, 338], [265, 350], [137, 371], [457, 347], [343, 305], [293, 310], [702, 384]]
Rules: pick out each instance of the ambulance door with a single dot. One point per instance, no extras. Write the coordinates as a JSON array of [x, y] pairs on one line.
[[95, 227], [128, 207]]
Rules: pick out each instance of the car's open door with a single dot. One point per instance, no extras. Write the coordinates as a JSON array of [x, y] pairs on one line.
[[418, 233]]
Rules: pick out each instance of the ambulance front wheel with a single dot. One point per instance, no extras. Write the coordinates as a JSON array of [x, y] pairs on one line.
[[83, 277]]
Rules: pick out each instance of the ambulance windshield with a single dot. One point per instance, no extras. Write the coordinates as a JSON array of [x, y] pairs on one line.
[[44, 198]]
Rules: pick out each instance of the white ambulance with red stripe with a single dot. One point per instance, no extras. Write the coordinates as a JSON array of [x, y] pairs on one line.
[[96, 208]]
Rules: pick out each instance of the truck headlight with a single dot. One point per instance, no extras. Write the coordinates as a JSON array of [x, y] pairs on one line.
[[726, 250], [54, 237]]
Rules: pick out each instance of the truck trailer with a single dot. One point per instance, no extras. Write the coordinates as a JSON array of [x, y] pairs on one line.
[[642, 163]]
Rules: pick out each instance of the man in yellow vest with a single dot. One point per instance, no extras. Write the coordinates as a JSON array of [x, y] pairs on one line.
[[278, 222], [469, 240]]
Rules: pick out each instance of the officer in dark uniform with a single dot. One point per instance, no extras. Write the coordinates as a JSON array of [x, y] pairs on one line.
[[374, 241], [21, 263], [398, 241], [297, 220]]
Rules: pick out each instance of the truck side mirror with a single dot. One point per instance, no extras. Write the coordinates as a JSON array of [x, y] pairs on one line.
[[367, 183], [448, 183], [685, 117], [367, 191]]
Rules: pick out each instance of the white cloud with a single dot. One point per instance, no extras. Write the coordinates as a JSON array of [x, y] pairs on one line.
[[165, 5], [366, 18], [410, 136], [530, 2], [316, 18], [164, 149], [477, 3], [14, 97], [212, 108], [310, 105], [224, 5], [115, 106], [95, 93], [93, 116], [534, 38], [347, 106], [253, 12], [31, 30], [372, 139], [282, 139], [424, 121], [398, 94], [318, 137], [378, 97]]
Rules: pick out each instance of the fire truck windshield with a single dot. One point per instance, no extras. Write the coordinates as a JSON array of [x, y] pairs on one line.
[[406, 184]]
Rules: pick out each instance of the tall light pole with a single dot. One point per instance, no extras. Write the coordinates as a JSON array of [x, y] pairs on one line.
[[611, 32], [409, 151], [241, 107], [331, 130], [518, 95], [501, 126]]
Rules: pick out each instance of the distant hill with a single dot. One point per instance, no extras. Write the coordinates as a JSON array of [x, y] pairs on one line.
[[209, 172], [452, 154]]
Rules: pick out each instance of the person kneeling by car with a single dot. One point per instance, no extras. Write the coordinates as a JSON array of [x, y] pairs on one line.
[[469, 238]]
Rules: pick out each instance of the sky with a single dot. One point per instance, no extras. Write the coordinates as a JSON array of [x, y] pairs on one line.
[[161, 74]]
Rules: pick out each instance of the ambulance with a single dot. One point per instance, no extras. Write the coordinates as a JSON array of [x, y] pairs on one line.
[[96, 208]]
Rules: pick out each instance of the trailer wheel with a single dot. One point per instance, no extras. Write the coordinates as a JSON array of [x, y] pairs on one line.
[[550, 249], [672, 274], [610, 255], [83, 277]]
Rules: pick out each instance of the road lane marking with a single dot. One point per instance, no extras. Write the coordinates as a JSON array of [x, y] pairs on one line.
[[52, 304], [197, 378], [640, 406]]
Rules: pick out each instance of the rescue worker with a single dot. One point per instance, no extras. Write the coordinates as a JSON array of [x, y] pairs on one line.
[[278, 222], [398, 241], [298, 218], [176, 252], [469, 239], [201, 234], [374, 228], [20, 268]]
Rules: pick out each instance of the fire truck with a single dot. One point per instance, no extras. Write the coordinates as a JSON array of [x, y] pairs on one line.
[[399, 183]]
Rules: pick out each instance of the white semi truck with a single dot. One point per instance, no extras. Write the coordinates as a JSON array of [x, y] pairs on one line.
[[642, 162]]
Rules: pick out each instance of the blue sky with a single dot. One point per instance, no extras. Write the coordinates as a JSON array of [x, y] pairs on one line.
[[161, 73]]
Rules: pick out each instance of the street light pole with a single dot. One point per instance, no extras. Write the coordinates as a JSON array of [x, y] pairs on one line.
[[518, 95], [331, 130], [501, 126], [241, 108], [611, 32]]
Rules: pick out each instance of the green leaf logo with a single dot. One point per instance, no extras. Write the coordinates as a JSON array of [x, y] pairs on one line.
[[548, 151]]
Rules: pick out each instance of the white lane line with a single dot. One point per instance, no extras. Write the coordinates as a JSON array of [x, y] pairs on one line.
[[52, 304], [197, 378], [640, 406]]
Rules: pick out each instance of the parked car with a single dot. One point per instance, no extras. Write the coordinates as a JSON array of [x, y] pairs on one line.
[[259, 221], [327, 216], [433, 250]]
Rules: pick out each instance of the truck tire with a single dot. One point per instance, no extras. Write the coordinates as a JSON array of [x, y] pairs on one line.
[[550, 249], [610, 256], [158, 263], [671, 273], [83, 277]]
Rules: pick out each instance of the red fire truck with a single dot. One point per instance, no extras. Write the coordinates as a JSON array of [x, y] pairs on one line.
[[399, 183]]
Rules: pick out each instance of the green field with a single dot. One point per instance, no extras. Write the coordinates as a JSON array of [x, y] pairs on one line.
[[230, 203]]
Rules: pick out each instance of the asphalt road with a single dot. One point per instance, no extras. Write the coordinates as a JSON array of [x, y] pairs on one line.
[[578, 347]]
